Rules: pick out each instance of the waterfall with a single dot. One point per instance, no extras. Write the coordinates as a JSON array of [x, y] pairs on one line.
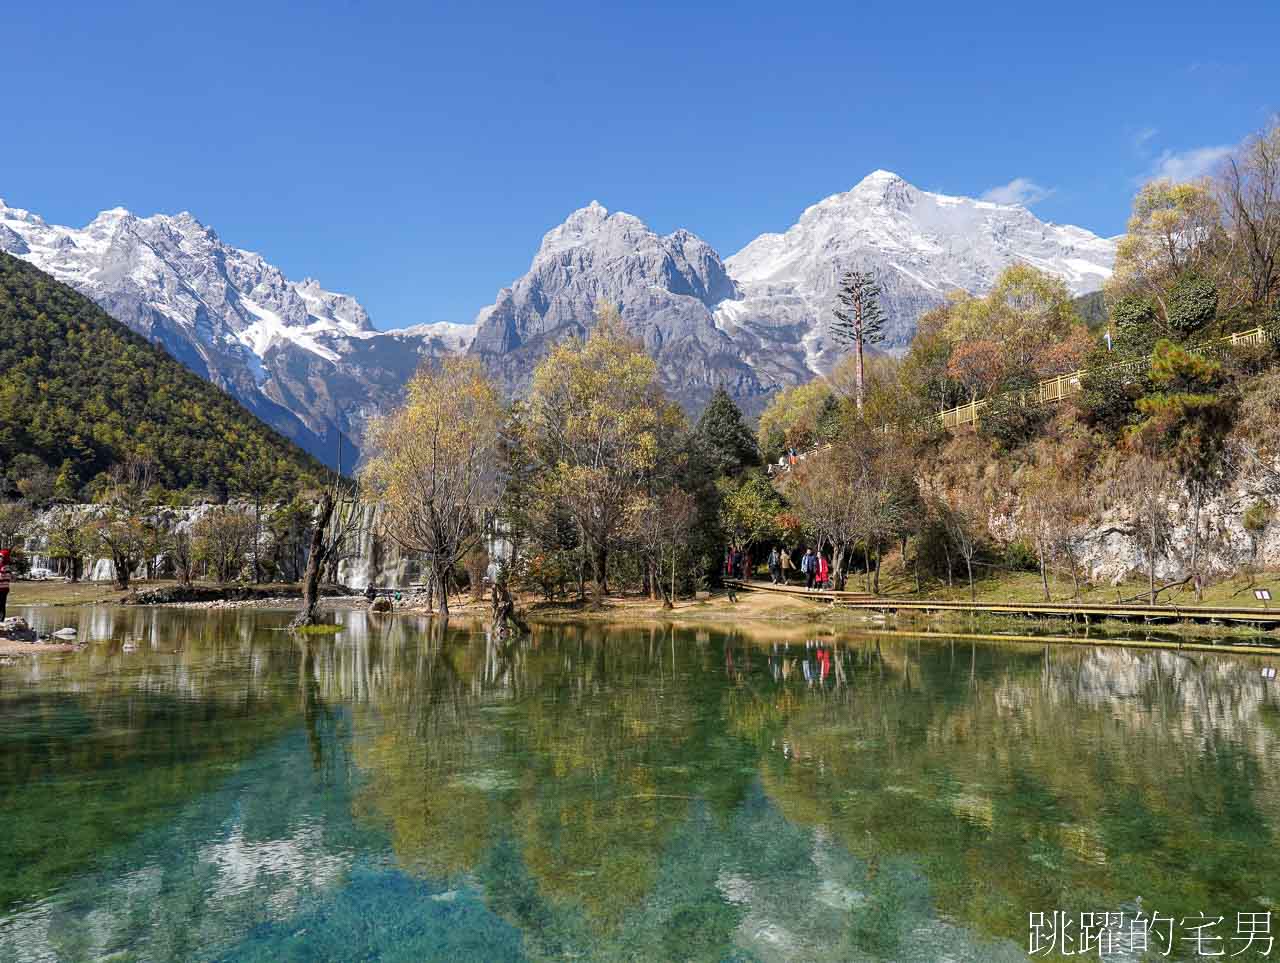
[[376, 560], [379, 561]]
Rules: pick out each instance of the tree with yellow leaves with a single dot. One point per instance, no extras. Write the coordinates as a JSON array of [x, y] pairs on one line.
[[434, 465], [1172, 231], [600, 430], [1025, 313]]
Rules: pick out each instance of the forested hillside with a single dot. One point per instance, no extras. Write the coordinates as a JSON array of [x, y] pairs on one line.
[[80, 393]]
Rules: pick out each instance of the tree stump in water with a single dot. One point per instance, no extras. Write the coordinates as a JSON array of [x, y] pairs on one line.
[[504, 612]]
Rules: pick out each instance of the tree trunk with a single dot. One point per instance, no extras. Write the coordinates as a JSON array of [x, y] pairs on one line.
[[860, 373], [866, 556], [504, 611], [1195, 543], [1044, 575], [121, 566], [876, 589], [672, 598], [946, 549], [431, 588], [310, 614], [257, 542], [1151, 567], [968, 564], [443, 578], [600, 565]]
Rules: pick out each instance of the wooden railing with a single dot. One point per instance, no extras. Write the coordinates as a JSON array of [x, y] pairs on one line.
[[1053, 390], [1063, 386]]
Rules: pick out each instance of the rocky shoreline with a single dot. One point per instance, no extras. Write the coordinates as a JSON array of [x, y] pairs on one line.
[[18, 638]]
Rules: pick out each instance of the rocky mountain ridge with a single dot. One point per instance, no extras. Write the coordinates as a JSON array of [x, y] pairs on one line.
[[305, 360], [309, 361]]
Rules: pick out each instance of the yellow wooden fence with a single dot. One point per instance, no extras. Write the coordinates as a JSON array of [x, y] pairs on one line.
[[1057, 389], [1053, 390]]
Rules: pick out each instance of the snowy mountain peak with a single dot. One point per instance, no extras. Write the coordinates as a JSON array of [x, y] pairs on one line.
[[594, 225], [306, 360], [115, 214], [665, 288], [920, 245]]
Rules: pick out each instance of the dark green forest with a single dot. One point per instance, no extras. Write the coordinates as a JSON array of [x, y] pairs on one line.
[[81, 393]]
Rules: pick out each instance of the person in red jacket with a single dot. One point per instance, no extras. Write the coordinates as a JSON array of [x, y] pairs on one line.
[[824, 571], [4, 580]]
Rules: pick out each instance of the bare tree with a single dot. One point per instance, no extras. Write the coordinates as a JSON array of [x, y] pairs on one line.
[[68, 539], [659, 526], [1055, 507], [16, 521], [337, 525], [223, 540], [1249, 188], [126, 528], [182, 554], [1146, 485]]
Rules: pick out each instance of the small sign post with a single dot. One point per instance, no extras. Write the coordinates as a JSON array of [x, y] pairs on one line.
[[1263, 596]]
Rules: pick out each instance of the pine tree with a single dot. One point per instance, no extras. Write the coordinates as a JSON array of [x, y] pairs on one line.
[[723, 435], [859, 320], [1186, 422]]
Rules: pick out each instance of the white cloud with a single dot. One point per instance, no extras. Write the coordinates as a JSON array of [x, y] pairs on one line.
[[1020, 190], [1143, 137], [1187, 165]]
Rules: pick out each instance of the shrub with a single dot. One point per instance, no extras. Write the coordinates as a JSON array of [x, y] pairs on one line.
[[1193, 304], [1020, 556], [1010, 423]]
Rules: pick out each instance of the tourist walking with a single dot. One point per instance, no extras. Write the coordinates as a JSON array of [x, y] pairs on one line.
[[788, 567], [5, 578], [809, 568], [824, 572], [775, 566]]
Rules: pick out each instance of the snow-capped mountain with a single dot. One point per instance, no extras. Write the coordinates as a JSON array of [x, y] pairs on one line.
[[666, 288], [305, 360], [759, 320], [309, 362], [919, 244]]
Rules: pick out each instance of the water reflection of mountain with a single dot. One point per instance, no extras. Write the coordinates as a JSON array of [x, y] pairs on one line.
[[1039, 770], [639, 793]]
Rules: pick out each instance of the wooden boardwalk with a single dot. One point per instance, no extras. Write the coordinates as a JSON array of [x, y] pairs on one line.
[[1082, 611]]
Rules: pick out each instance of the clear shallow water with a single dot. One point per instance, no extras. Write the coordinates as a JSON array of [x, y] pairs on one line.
[[227, 791]]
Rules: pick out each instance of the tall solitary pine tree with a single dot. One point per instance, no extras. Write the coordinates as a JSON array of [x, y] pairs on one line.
[[859, 321]]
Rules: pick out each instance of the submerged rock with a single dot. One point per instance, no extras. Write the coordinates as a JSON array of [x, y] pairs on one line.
[[17, 630]]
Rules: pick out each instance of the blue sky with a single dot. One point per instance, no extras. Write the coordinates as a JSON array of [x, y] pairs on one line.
[[413, 154]]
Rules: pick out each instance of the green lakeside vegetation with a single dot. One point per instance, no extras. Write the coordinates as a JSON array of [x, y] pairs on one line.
[[82, 394]]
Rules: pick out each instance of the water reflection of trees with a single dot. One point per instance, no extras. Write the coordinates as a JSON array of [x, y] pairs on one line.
[[99, 745], [1056, 777], [608, 790], [582, 755]]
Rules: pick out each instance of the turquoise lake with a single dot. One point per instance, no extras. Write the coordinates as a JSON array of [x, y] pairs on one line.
[[200, 785]]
